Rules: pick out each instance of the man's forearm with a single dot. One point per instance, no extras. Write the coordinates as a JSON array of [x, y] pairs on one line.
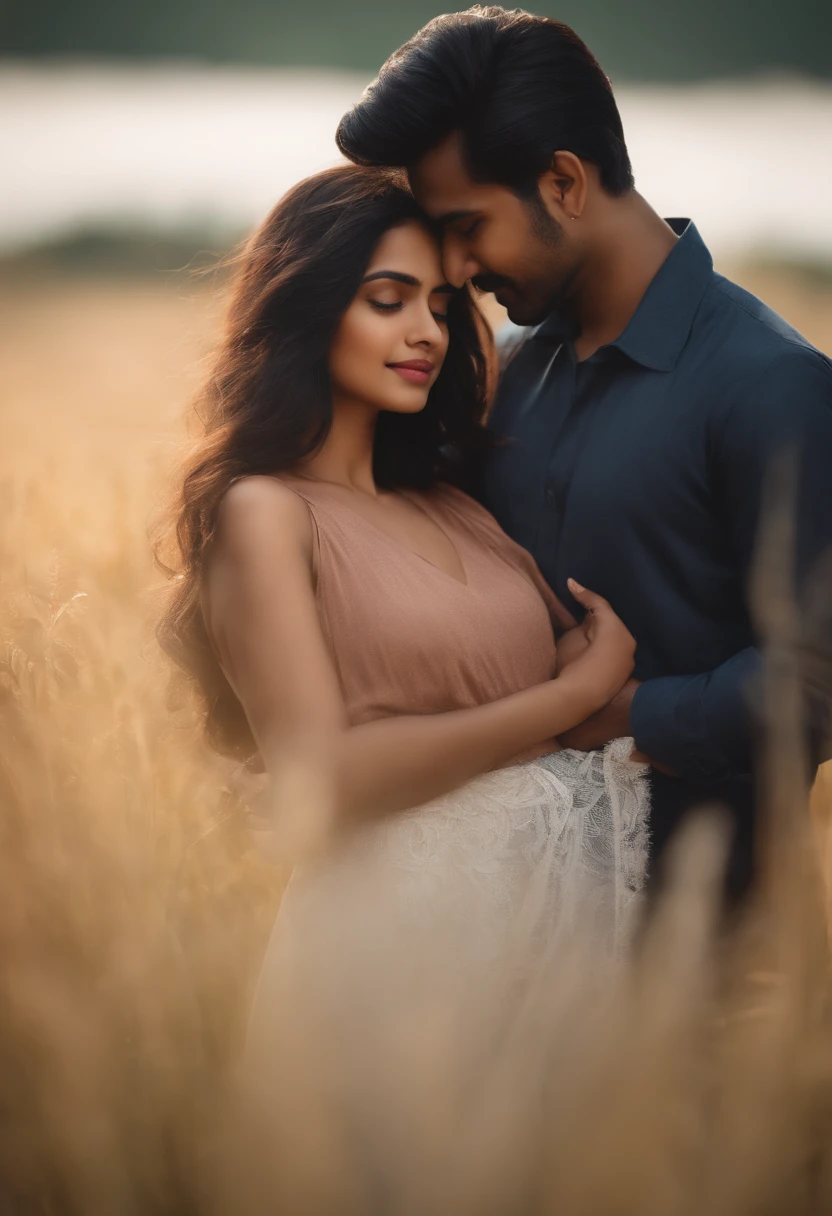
[[701, 726]]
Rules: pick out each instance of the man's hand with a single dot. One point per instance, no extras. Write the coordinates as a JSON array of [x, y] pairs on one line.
[[611, 722]]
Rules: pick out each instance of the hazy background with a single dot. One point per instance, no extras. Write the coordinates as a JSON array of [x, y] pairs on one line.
[[187, 119], [640, 40]]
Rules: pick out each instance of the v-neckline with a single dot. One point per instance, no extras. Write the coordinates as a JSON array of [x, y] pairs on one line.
[[464, 583]]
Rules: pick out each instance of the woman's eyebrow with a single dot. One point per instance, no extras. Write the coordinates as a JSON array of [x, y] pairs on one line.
[[408, 279]]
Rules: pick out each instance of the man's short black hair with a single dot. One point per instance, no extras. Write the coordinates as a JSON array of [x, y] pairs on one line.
[[514, 86]]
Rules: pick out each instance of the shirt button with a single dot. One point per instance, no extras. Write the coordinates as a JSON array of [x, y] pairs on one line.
[[550, 495]]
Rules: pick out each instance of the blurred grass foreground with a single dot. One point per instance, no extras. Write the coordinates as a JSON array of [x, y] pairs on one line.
[[133, 907]]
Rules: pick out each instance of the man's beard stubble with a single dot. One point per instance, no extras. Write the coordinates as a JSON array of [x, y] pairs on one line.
[[531, 303]]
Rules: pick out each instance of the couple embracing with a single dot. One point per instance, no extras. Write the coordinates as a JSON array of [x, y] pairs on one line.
[[507, 631]]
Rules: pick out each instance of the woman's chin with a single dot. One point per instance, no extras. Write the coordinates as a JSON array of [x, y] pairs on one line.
[[407, 403]]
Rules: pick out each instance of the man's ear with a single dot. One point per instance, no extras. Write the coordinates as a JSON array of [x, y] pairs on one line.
[[563, 187]]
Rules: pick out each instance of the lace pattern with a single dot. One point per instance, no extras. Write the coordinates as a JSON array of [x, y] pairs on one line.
[[512, 863], [530, 848]]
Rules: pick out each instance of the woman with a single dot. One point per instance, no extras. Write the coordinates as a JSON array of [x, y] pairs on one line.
[[352, 615]]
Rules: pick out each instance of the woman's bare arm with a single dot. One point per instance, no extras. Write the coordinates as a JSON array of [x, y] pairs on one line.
[[262, 616]]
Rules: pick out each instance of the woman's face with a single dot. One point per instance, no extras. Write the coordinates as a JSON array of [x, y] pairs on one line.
[[393, 338]]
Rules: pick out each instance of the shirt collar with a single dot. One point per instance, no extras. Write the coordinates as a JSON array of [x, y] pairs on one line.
[[659, 327]]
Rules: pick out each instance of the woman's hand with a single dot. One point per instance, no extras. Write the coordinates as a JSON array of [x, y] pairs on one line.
[[605, 662], [571, 645]]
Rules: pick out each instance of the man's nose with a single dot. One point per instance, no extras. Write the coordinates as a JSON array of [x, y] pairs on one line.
[[457, 263]]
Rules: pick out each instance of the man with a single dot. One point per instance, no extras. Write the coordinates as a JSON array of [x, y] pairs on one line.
[[643, 413]]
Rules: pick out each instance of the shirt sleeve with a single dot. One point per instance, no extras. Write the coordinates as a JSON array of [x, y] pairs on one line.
[[702, 726]]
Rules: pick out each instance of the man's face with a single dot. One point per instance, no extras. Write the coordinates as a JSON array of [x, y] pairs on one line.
[[502, 242]]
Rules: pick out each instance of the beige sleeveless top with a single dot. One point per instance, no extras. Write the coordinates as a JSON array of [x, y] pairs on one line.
[[407, 638]]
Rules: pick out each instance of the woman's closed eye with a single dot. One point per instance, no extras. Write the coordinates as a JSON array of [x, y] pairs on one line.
[[382, 307]]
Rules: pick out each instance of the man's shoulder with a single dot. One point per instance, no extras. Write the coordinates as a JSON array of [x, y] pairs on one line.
[[747, 337], [757, 371]]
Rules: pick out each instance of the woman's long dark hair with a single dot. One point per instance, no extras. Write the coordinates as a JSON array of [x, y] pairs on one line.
[[267, 403]]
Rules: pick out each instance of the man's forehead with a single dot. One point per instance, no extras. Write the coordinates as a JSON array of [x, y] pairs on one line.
[[439, 179]]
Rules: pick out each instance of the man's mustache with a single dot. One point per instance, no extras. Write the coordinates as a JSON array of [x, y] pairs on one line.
[[490, 282]]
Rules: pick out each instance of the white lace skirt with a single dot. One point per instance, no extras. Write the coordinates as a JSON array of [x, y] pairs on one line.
[[495, 875]]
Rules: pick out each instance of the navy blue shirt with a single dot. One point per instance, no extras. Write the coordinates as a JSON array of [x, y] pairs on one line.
[[639, 472]]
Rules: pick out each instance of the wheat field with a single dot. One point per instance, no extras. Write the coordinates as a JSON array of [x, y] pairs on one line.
[[134, 906]]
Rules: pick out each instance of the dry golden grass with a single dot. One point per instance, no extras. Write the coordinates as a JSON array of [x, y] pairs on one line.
[[129, 894], [133, 907]]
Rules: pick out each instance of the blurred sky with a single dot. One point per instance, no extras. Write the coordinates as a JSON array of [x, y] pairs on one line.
[[196, 115]]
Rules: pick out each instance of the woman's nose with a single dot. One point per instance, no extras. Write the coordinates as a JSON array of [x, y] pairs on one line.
[[429, 333]]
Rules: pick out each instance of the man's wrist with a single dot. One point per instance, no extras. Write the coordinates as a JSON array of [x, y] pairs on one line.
[[643, 748]]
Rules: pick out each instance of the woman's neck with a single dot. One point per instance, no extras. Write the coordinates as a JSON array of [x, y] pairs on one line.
[[346, 458]]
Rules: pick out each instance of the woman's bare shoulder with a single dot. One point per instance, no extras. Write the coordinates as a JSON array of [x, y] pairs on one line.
[[261, 510]]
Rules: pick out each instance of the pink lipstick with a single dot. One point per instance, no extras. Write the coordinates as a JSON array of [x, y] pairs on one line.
[[416, 371]]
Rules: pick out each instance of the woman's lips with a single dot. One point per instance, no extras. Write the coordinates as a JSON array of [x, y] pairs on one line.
[[417, 372]]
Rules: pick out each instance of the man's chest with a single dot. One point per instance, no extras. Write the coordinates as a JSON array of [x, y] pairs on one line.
[[605, 452]]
